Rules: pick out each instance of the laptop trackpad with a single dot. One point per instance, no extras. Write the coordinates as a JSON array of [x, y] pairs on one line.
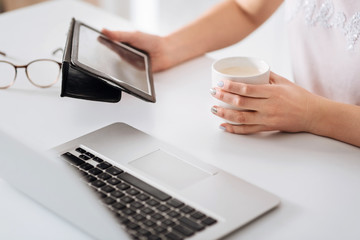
[[169, 169]]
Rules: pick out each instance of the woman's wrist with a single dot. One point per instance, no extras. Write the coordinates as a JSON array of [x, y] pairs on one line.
[[178, 49], [335, 120], [315, 114]]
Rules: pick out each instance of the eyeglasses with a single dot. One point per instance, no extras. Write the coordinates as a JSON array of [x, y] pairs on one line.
[[41, 73]]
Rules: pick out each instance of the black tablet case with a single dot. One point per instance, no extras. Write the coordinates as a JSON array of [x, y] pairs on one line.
[[82, 84]]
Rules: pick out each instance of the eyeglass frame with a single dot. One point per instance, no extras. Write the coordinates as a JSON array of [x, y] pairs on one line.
[[26, 71]]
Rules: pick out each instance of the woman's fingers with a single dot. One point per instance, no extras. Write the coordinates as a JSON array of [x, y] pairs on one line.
[[252, 90], [120, 36], [236, 100], [241, 117], [250, 121], [245, 128], [113, 35], [243, 89]]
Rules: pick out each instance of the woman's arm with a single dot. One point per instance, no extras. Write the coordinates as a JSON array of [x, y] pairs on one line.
[[223, 25], [284, 106]]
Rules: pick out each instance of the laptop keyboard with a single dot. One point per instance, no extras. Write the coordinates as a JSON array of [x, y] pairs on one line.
[[144, 211]]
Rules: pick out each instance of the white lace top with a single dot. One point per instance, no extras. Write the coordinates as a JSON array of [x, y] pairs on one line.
[[325, 47]]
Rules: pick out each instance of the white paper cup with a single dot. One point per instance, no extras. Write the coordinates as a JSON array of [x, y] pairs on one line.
[[239, 69]]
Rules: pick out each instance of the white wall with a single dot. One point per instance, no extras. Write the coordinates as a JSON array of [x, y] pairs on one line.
[[118, 7], [164, 16]]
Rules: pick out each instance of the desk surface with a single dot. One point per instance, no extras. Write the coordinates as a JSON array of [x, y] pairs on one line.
[[316, 178]]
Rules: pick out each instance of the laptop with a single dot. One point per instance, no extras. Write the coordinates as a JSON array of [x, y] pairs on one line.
[[120, 183]]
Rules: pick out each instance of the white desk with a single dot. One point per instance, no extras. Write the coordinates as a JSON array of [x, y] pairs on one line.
[[317, 178]]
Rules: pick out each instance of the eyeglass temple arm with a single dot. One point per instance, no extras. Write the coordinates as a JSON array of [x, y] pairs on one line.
[[57, 50], [5, 55]]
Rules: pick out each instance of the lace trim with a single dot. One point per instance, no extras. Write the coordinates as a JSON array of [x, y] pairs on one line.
[[326, 16]]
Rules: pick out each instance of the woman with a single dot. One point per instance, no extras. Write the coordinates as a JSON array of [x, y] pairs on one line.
[[326, 55]]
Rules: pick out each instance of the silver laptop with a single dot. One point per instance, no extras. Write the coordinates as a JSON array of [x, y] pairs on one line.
[[120, 183]]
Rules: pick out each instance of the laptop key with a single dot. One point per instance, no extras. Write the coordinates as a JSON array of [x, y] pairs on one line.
[[97, 159], [101, 194], [149, 223], [208, 221], [107, 188], [114, 170], [128, 211], [103, 176], [173, 236], [72, 159], [132, 192], [173, 214], [86, 166], [90, 178], [113, 181], [123, 186], [90, 155], [80, 150], [183, 230], [152, 202], [98, 183], [104, 165], [153, 237], [127, 199], [197, 215], [122, 219], [139, 218], [109, 200], [191, 224], [187, 209], [132, 225], [137, 205], [147, 211], [168, 223], [163, 208], [144, 232], [175, 203], [144, 186], [157, 216], [118, 206], [83, 173], [159, 229], [95, 171], [117, 194], [84, 157], [142, 197]]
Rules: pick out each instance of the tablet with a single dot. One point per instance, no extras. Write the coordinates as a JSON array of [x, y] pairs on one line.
[[117, 63]]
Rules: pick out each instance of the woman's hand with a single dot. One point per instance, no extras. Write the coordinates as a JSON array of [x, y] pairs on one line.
[[280, 105], [156, 46]]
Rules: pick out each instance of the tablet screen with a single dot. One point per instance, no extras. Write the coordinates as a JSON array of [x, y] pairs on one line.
[[125, 66]]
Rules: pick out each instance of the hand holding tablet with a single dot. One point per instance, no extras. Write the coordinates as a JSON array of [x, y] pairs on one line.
[[97, 68]]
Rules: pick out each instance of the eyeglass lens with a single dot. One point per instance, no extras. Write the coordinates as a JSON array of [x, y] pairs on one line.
[[41, 73], [7, 74]]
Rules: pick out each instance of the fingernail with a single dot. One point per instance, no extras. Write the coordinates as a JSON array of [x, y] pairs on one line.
[[222, 128], [220, 83], [214, 110], [212, 91]]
